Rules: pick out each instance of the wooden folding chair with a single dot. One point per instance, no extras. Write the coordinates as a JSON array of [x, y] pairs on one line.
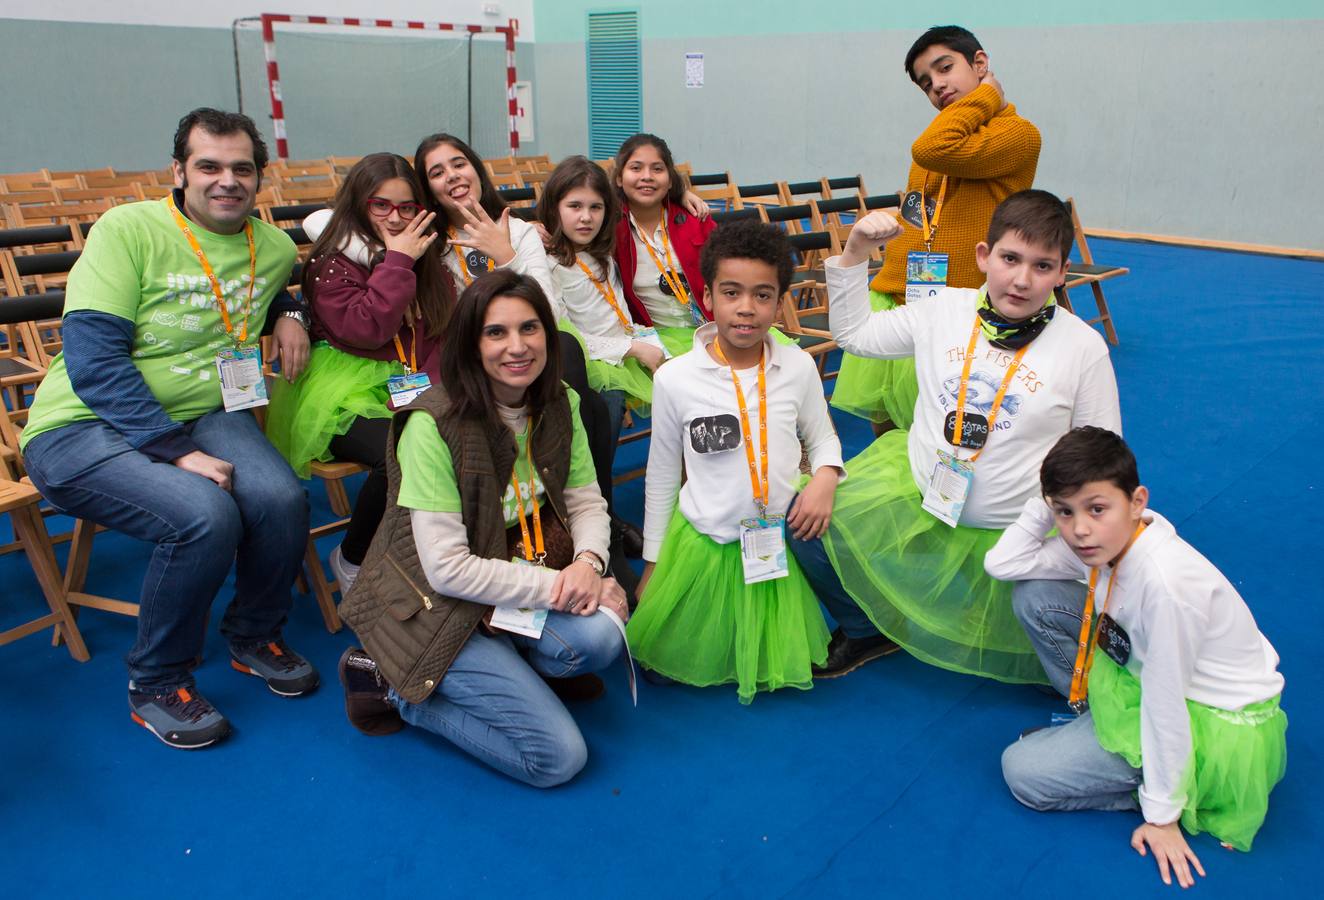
[[19, 499], [767, 194], [519, 197], [1087, 271], [852, 183], [320, 584], [321, 191], [56, 213], [507, 180], [754, 213]]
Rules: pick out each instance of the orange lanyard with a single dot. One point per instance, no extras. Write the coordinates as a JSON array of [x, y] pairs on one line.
[[211, 276], [760, 485], [669, 272], [534, 551], [997, 399], [609, 294], [931, 228], [410, 364], [464, 267], [1080, 675]]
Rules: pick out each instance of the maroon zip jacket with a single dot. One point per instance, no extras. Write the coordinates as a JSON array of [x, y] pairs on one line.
[[687, 234]]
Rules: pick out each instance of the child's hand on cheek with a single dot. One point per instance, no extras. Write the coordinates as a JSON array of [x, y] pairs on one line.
[[873, 231], [414, 239]]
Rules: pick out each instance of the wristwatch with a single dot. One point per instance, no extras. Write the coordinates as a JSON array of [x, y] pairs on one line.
[[299, 316], [592, 559]]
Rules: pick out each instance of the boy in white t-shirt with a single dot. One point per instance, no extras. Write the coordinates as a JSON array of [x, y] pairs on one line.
[[1183, 720], [1003, 372]]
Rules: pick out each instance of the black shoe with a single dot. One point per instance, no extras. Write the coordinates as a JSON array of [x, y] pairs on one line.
[[576, 688], [632, 539], [846, 654], [366, 705]]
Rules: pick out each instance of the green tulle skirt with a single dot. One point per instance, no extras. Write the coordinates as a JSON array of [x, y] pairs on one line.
[[630, 376], [1237, 756], [921, 581], [880, 390], [334, 390], [699, 623]]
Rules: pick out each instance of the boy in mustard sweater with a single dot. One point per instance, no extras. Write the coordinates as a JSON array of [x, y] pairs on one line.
[[975, 153]]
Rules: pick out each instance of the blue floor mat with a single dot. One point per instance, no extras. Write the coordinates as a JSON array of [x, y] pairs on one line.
[[883, 782]]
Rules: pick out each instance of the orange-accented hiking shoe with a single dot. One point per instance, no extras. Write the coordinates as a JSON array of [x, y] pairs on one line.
[[180, 718]]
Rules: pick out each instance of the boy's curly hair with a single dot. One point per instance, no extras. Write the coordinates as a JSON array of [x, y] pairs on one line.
[[747, 240]]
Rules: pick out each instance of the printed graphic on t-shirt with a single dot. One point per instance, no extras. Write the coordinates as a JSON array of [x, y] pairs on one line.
[[714, 434], [508, 507], [979, 396], [1114, 640], [476, 262], [178, 325]]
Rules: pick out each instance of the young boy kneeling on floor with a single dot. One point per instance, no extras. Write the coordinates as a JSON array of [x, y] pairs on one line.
[[1178, 716]]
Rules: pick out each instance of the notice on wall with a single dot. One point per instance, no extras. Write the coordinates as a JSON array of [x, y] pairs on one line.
[[693, 70]]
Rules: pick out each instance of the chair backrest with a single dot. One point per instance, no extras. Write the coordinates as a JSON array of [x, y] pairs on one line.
[[766, 194], [1082, 246], [794, 190], [710, 179], [323, 192], [833, 212], [518, 196], [791, 218], [507, 180], [882, 201], [56, 213], [758, 213], [853, 183]]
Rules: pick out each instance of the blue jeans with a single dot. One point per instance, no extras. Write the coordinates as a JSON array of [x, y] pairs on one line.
[[493, 705], [615, 401], [813, 559], [88, 470], [1063, 768], [1050, 612]]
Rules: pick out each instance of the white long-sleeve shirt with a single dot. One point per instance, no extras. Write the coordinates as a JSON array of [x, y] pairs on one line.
[[589, 311], [1192, 637], [664, 309], [530, 259], [1065, 380], [696, 423]]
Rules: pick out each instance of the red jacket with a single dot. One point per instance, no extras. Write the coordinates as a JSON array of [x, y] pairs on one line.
[[687, 234], [360, 312]]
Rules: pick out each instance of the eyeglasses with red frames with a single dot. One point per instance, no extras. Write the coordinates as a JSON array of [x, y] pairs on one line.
[[381, 208]]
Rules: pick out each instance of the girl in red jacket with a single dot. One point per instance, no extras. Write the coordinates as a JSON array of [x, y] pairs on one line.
[[378, 302], [658, 243]]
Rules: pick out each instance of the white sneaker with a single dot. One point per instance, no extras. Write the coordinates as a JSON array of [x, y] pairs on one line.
[[345, 572]]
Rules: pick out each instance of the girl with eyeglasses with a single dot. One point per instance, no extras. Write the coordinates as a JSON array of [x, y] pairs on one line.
[[379, 301]]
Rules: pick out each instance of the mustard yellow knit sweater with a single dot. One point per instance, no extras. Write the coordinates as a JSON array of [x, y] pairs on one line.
[[987, 153]]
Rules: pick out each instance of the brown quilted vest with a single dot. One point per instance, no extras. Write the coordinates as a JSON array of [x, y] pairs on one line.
[[413, 632]]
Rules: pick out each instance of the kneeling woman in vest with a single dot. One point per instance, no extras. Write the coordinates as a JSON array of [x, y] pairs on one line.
[[485, 579]]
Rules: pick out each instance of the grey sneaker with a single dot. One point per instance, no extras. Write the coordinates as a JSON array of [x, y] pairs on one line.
[[180, 718], [346, 572], [285, 672]]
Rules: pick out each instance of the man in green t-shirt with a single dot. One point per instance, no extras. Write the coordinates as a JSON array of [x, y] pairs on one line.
[[144, 421]]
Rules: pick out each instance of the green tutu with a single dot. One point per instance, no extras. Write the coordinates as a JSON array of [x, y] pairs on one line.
[[880, 390], [630, 376], [334, 390], [699, 623], [921, 581], [1237, 756]]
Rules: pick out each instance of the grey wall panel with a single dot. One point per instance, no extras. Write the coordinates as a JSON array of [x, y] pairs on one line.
[[85, 95], [1186, 129]]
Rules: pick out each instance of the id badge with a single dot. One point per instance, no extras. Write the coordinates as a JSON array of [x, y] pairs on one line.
[[1063, 717], [528, 622], [649, 336], [910, 208], [763, 549], [404, 388], [926, 274], [242, 384], [948, 488]]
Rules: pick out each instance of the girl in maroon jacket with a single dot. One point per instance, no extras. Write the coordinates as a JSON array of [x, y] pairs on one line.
[[379, 301], [658, 243]]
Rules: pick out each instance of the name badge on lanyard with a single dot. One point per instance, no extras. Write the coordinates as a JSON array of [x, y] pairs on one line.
[[404, 388], [242, 383], [763, 548], [926, 274], [949, 485]]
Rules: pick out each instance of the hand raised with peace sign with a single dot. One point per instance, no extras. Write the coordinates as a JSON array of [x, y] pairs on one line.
[[492, 239]]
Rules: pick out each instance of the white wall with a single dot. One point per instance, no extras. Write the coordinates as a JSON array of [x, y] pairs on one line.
[[221, 14]]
